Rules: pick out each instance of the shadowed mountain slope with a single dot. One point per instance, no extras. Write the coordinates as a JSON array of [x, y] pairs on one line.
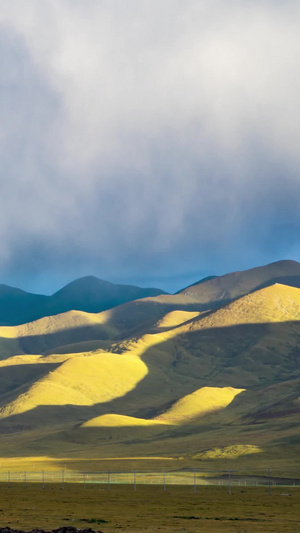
[[17, 306], [93, 295], [88, 294], [237, 284]]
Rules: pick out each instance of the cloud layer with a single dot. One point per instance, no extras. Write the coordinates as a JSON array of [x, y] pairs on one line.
[[141, 142]]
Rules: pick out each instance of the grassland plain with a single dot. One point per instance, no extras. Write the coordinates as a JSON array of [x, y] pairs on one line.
[[149, 509]]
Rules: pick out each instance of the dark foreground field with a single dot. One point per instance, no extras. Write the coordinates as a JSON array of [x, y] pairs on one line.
[[149, 509]]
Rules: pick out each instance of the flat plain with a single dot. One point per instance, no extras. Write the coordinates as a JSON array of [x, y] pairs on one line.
[[150, 509]]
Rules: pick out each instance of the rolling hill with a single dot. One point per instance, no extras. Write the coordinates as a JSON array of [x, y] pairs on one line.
[[230, 376], [198, 384]]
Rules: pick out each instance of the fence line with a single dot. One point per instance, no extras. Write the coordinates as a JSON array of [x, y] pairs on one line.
[[194, 478]]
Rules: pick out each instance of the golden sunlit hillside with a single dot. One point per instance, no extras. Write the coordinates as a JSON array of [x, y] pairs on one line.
[[277, 303], [61, 333], [195, 385], [49, 332], [82, 380], [200, 403]]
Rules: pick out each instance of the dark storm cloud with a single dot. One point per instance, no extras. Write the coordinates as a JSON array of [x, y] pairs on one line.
[[141, 142]]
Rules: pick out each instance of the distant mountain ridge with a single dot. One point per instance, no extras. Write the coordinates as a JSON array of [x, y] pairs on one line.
[[88, 294], [93, 295], [236, 284]]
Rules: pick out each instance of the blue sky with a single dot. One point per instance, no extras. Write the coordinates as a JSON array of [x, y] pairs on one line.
[[148, 143]]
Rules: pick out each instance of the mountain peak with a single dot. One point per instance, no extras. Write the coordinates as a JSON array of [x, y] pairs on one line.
[[83, 284], [88, 293]]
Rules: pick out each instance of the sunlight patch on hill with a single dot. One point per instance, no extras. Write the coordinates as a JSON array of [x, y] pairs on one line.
[[277, 303], [82, 380], [175, 318], [33, 359], [201, 402], [53, 324], [139, 346], [113, 420], [48, 333], [229, 452]]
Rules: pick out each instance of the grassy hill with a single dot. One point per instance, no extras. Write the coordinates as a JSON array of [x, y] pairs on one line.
[[47, 333], [76, 331], [198, 387]]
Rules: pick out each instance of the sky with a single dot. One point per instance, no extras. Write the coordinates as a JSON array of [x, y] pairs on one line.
[[150, 143]]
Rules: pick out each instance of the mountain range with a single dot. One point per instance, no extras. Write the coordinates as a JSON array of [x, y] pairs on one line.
[[207, 376], [88, 294]]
